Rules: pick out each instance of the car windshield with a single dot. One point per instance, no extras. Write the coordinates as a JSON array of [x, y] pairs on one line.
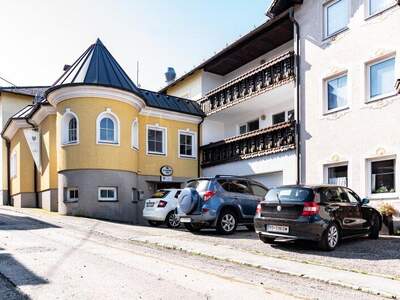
[[289, 194], [200, 185], [160, 194]]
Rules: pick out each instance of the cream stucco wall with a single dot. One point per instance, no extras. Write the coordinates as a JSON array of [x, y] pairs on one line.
[[363, 131]]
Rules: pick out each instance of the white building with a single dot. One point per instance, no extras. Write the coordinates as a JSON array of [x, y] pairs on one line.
[[247, 93], [348, 54]]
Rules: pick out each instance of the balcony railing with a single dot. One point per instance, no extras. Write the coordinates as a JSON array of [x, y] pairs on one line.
[[259, 80], [265, 141]]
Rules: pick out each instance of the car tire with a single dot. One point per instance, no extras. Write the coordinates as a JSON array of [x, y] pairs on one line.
[[331, 238], [375, 227], [193, 227], [227, 222], [250, 227], [267, 240], [154, 223], [172, 221]]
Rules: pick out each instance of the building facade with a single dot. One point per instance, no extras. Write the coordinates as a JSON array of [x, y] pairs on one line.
[[247, 94], [102, 143]]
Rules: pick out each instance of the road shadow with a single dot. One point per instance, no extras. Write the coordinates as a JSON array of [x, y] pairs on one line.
[[385, 248], [8, 222], [17, 273]]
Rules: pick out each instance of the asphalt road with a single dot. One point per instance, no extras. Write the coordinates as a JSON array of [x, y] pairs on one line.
[[49, 261]]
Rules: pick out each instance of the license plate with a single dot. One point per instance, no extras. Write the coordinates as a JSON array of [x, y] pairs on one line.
[[185, 220], [278, 228], [149, 204]]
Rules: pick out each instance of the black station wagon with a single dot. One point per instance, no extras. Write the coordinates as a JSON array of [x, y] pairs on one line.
[[324, 213]]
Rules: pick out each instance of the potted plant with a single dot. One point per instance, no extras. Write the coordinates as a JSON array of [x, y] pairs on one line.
[[388, 211]]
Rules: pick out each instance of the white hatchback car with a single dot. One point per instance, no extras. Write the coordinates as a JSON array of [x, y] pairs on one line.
[[160, 208]]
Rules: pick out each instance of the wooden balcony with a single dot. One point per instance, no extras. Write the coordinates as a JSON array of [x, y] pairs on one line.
[[269, 75], [265, 141]]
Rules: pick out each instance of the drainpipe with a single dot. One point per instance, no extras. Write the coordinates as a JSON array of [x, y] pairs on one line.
[[8, 145], [198, 146], [297, 72], [35, 171]]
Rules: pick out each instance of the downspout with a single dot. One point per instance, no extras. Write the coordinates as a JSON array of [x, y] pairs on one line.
[[8, 145], [297, 72], [198, 146], [35, 171]]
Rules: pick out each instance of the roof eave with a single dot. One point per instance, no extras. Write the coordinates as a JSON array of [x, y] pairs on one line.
[[246, 37]]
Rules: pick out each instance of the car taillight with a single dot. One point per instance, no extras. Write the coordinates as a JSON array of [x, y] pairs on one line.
[[258, 210], [162, 203], [208, 195], [310, 209]]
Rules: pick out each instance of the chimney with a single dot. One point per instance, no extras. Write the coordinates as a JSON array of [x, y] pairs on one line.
[[170, 75]]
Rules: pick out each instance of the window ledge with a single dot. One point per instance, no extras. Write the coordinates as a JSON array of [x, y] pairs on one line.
[[333, 36], [135, 148], [383, 196], [71, 201], [336, 110], [108, 143], [379, 98], [155, 154], [187, 157], [369, 17], [99, 200], [70, 144]]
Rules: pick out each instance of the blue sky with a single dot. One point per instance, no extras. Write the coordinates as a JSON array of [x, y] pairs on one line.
[[39, 37]]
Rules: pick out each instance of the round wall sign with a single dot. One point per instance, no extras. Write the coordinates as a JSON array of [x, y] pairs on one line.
[[166, 170]]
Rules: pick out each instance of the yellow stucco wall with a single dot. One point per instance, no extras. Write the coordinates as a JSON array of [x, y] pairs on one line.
[[9, 105], [24, 180], [189, 88], [48, 178], [151, 164], [88, 154]]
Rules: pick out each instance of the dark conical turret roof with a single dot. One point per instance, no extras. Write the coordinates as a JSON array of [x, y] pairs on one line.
[[97, 66]]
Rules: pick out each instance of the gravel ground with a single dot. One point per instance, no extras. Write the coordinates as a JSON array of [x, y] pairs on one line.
[[73, 259]]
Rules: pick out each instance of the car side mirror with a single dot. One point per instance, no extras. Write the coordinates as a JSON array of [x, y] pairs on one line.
[[364, 201]]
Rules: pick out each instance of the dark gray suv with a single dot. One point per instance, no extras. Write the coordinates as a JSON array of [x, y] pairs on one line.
[[221, 202]]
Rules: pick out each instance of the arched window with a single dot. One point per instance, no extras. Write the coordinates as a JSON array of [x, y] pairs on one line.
[[69, 128], [107, 128], [135, 134], [72, 130]]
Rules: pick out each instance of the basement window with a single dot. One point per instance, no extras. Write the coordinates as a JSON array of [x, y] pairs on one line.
[[72, 194], [107, 194]]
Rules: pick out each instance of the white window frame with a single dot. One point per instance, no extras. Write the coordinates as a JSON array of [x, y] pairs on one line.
[[108, 114], [368, 9], [13, 165], [334, 165], [66, 118], [108, 188], [325, 17], [326, 95], [369, 175], [69, 199], [368, 78], [135, 134], [194, 143], [164, 141]]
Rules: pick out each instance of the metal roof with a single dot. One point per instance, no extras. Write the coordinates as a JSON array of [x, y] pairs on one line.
[[162, 101], [33, 91], [96, 66]]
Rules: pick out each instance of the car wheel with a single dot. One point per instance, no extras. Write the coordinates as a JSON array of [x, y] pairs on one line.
[[193, 227], [330, 238], [267, 240], [250, 227], [172, 220], [154, 223], [375, 227], [227, 222]]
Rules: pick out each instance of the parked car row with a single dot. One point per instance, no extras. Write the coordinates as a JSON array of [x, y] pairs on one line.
[[323, 213]]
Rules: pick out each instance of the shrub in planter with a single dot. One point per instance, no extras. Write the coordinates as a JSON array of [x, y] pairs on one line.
[[388, 211]]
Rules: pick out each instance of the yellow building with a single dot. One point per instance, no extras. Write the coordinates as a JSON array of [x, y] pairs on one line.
[[96, 143]]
